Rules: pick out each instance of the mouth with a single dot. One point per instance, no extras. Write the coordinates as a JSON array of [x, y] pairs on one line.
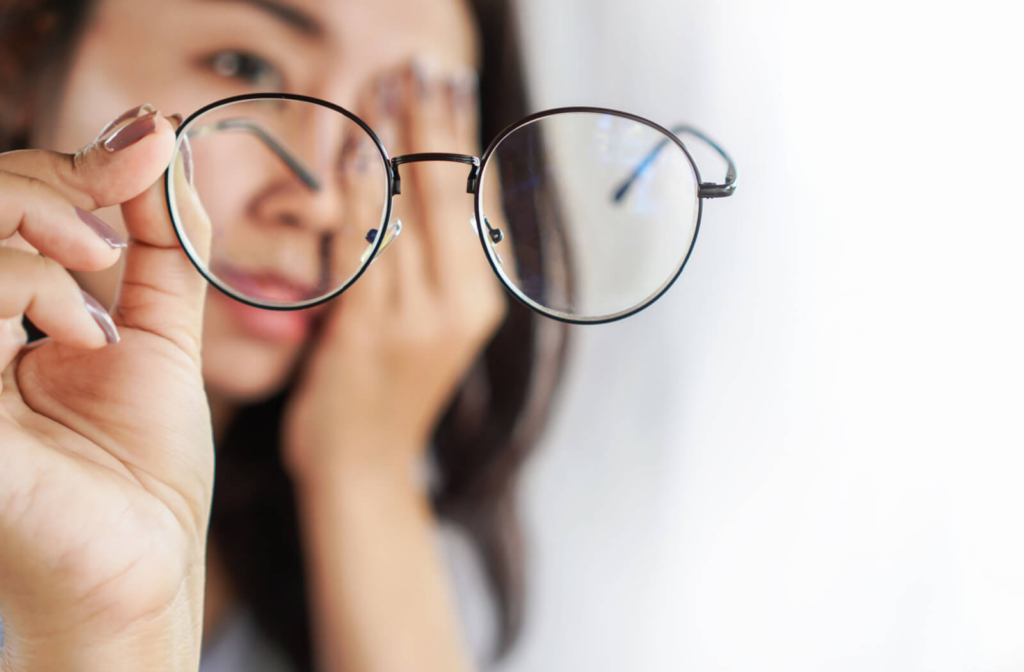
[[266, 285], [284, 326]]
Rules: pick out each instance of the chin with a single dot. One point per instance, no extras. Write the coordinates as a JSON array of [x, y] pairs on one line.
[[244, 369], [245, 372]]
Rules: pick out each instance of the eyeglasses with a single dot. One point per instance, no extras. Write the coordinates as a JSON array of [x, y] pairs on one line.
[[586, 215]]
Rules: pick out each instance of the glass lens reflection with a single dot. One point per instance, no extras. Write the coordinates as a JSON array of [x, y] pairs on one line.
[[597, 213], [292, 190]]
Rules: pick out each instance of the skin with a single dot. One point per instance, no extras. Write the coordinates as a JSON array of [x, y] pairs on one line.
[[117, 438]]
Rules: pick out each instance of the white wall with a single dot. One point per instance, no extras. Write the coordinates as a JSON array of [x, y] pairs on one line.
[[809, 454]]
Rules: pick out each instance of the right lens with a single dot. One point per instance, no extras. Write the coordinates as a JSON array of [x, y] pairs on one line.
[[596, 215], [295, 193]]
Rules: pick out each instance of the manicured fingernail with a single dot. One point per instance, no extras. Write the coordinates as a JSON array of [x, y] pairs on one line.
[[132, 133], [385, 130], [420, 77], [462, 88], [186, 158], [362, 156], [388, 93], [466, 83], [100, 228], [130, 114], [102, 318]]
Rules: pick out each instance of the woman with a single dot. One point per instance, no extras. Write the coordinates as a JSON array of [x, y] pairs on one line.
[[106, 472]]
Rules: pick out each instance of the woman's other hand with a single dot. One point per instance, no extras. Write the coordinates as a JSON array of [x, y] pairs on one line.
[[397, 343], [106, 456], [393, 350]]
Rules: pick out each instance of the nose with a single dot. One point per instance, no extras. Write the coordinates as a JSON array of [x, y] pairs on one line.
[[307, 193], [292, 203]]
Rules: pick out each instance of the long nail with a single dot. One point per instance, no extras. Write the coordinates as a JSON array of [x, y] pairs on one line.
[[362, 155], [130, 114], [462, 94], [186, 158], [466, 84], [100, 228], [131, 133], [102, 318], [388, 92], [420, 77]]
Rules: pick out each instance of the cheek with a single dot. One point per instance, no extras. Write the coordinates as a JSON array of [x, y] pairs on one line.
[[88, 103], [124, 59], [227, 172]]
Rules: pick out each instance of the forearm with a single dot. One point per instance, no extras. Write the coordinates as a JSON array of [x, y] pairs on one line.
[[379, 591]]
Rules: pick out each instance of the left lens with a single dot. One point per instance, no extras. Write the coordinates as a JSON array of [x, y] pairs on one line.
[[295, 193], [589, 216]]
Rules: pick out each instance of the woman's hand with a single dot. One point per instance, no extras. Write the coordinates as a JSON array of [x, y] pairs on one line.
[[391, 355], [106, 456], [398, 342]]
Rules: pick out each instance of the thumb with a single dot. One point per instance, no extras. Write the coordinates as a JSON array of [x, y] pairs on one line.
[[128, 156], [161, 292]]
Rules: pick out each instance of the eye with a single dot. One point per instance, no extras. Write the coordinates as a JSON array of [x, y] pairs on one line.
[[247, 68]]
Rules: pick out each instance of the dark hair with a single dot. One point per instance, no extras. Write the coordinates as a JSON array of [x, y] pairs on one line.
[[482, 438]]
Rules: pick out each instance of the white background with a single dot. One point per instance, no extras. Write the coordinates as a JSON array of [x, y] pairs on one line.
[[809, 455]]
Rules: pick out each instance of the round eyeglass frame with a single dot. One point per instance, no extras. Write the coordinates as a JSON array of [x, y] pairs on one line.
[[474, 186]]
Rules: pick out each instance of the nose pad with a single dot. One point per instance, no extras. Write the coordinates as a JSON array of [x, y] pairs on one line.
[[389, 237], [494, 235]]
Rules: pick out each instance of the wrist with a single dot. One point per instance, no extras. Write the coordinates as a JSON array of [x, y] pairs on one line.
[[167, 642], [356, 495], [365, 463], [44, 636]]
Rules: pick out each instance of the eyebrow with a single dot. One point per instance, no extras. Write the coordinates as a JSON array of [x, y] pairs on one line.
[[293, 17]]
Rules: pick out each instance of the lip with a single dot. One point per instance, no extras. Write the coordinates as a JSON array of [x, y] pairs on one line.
[[265, 286], [284, 326]]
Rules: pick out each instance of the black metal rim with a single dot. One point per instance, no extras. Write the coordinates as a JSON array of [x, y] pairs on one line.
[[391, 171], [478, 202], [198, 263]]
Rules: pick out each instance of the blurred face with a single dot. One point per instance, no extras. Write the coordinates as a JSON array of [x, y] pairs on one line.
[[183, 54]]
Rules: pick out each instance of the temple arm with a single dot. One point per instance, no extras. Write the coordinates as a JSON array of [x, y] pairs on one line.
[[290, 158], [707, 189], [294, 162]]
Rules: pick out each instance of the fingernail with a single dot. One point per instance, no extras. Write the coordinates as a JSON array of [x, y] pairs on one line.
[[100, 228], [362, 160], [186, 159], [388, 95], [102, 318], [131, 133], [466, 83], [130, 114], [462, 89], [421, 80]]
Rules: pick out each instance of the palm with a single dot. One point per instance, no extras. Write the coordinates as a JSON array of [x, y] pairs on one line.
[[114, 451]]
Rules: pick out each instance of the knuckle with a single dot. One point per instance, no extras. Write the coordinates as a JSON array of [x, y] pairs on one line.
[[54, 277], [34, 187], [68, 167], [34, 193], [422, 332], [73, 170], [49, 270], [479, 309]]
